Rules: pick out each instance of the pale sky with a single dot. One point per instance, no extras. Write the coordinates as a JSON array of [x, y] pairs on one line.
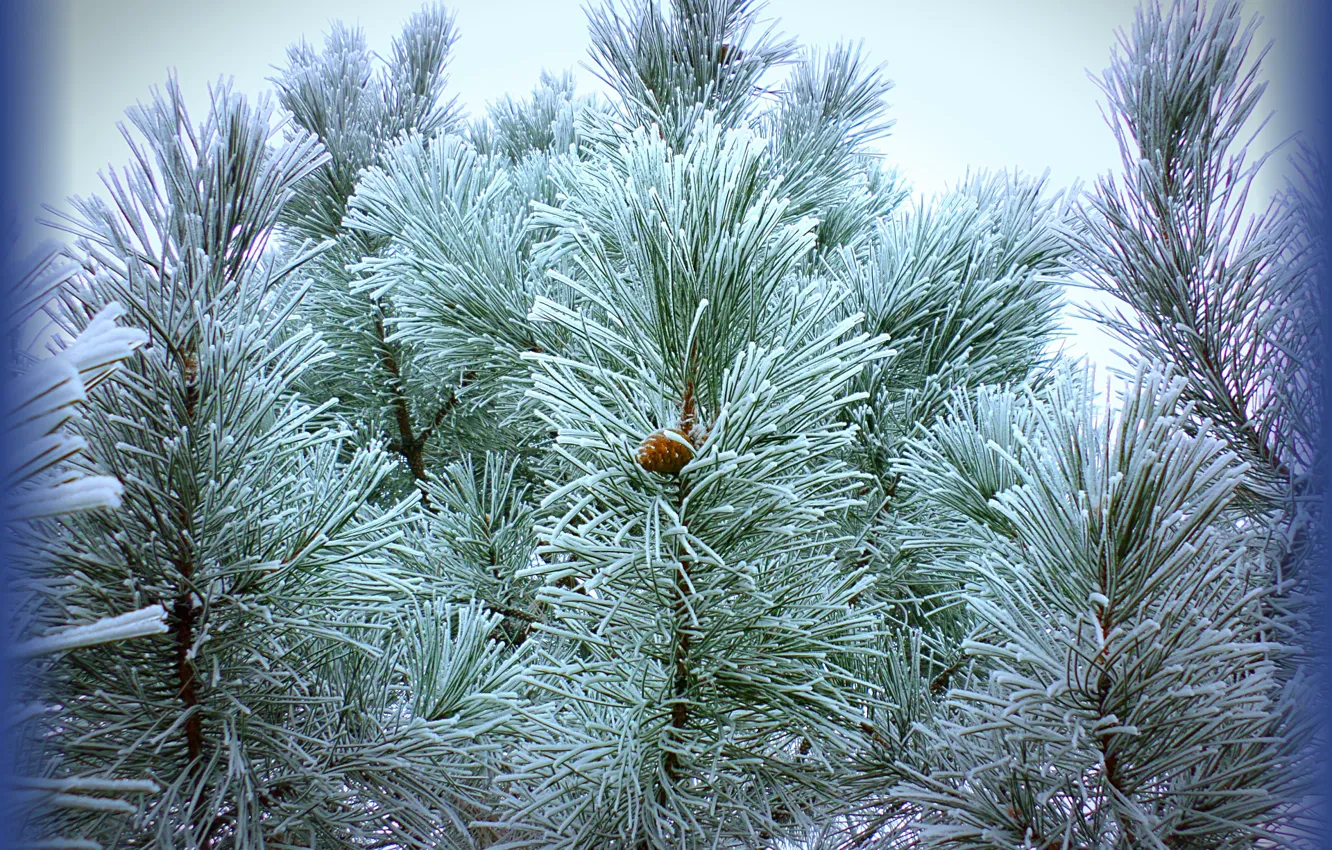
[[978, 84]]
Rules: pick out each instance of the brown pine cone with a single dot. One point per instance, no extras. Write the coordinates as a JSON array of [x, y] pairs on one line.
[[664, 454]]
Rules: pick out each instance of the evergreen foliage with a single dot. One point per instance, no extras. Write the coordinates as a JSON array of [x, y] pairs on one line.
[[642, 471], [1123, 693], [1216, 293], [706, 605], [1226, 298], [236, 513], [458, 273], [1134, 675], [356, 111]]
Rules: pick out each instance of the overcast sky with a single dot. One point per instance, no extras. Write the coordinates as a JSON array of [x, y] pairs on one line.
[[979, 83]]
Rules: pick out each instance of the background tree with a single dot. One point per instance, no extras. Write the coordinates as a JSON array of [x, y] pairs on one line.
[[356, 111], [967, 288]]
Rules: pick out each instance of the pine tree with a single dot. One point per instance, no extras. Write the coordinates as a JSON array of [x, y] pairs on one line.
[[462, 270], [1132, 676], [238, 517], [1226, 298], [642, 471], [700, 633]]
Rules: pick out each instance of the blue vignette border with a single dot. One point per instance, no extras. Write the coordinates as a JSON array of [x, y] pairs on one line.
[[28, 27]]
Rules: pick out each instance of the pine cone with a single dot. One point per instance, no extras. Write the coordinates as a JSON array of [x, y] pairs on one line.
[[664, 454]]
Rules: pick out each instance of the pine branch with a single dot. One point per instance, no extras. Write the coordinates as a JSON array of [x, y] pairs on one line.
[[408, 444], [681, 673], [1212, 292]]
